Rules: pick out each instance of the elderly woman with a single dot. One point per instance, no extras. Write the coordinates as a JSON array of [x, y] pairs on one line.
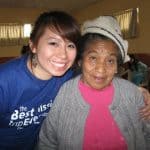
[[97, 110]]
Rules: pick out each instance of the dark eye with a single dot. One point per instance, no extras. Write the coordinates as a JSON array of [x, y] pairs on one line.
[[92, 57], [53, 43], [71, 46], [111, 61]]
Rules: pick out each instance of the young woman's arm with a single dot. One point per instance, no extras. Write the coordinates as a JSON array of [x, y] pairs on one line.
[[145, 111]]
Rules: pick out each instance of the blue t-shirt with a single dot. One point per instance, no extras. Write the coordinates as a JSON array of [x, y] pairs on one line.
[[24, 103]]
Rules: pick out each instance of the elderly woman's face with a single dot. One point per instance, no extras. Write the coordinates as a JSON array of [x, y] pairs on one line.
[[99, 63]]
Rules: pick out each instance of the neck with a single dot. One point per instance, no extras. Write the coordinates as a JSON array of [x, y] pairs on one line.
[[34, 69]]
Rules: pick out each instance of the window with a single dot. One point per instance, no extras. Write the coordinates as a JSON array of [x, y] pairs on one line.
[[128, 21], [14, 33], [27, 30]]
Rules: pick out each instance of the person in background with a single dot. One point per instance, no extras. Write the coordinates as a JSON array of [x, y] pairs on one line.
[[29, 84], [97, 110], [139, 71], [24, 49]]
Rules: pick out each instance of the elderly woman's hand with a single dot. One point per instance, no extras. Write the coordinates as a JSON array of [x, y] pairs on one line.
[[145, 111]]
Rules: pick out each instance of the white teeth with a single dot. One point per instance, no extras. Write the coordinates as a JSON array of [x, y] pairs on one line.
[[58, 64]]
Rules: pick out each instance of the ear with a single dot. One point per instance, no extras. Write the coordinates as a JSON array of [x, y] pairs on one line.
[[32, 46]]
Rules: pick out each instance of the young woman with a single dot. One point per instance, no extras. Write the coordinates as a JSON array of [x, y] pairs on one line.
[[29, 84], [97, 110]]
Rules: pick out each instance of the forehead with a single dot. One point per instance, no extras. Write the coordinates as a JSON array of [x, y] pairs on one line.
[[49, 30], [101, 47], [50, 33], [54, 33]]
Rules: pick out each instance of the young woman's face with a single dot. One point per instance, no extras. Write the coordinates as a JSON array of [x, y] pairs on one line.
[[55, 55], [99, 64]]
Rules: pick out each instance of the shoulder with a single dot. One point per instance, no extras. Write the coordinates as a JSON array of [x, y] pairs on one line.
[[127, 90], [67, 76], [11, 68], [124, 84], [71, 83], [12, 64], [66, 97], [68, 88]]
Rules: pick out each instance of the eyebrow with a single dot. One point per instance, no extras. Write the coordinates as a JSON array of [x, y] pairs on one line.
[[90, 51], [113, 53], [51, 37], [95, 52]]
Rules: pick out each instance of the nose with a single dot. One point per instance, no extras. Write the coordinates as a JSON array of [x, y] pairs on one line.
[[62, 52], [100, 67]]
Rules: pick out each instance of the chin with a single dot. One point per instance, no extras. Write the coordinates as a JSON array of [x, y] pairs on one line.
[[59, 74], [99, 87]]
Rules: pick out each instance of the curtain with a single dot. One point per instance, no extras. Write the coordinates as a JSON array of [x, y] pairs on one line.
[[128, 21], [12, 34]]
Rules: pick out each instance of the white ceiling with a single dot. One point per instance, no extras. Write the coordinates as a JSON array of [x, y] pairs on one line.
[[68, 5]]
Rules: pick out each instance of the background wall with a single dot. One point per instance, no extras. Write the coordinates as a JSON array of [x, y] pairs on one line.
[[140, 44]]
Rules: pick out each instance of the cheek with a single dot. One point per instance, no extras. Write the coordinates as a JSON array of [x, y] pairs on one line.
[[116, 68], [42, 55], [112, 69], [72, 55], [86, 67], [111, 73]]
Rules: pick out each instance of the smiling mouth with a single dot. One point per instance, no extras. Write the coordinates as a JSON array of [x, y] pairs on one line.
[[58, 64]]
